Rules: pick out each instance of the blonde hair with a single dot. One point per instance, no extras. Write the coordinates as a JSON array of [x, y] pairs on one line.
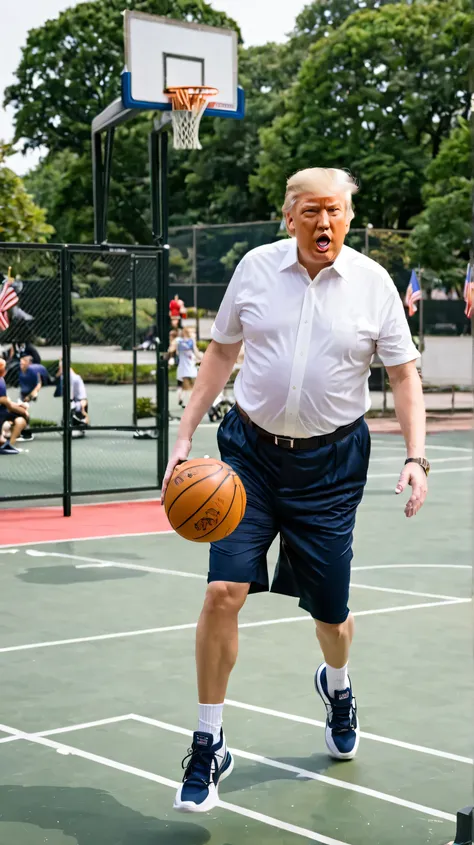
[[323, 181]]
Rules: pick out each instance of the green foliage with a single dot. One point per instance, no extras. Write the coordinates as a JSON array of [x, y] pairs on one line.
[[378, 94], [440, 241], [69, 71], [145, 407], [40, 423], [20, 218], [231, 258], [109, 373], [108, 320]]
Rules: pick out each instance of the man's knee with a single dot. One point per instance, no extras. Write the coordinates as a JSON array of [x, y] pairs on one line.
[[20, 422], [337, 631], [225, 597]]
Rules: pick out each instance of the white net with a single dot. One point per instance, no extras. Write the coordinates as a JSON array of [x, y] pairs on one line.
[[186, 127], [189, 104]]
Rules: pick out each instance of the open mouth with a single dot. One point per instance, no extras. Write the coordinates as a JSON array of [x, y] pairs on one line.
[[323, 243]]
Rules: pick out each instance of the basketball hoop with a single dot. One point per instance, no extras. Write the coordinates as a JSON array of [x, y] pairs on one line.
[[189, 103]]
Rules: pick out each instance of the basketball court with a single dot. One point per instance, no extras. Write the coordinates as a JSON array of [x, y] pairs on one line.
[[98, 681], [100, 609]]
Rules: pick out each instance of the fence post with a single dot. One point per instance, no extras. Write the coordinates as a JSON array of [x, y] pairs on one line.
[[194, 279], [133, 280], [66, 366]]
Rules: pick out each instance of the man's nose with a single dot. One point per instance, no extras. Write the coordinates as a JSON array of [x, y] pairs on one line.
[[323, 219]]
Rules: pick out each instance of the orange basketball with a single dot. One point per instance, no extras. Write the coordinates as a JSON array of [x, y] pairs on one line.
[[205, 500]]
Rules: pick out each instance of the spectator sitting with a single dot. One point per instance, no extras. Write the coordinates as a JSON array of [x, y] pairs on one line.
[[15, 414], [32, 377], [78, 396]]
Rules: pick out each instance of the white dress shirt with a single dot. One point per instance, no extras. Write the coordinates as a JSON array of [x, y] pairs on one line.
[[309, 343]]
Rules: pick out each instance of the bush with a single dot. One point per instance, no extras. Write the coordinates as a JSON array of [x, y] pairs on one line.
[[109, 373], [203, 344], [107, 320], [37, 423], [145, 407]]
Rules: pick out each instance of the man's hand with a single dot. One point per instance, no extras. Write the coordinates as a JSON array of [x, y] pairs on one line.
[[414, 475], [179, 454]]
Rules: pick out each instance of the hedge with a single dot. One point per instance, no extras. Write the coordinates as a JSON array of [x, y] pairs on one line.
[[107, 320]]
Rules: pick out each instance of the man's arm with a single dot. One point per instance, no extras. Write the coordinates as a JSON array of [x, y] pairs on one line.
[[14, 408], [214, 372], [36, 390], [410, 410]]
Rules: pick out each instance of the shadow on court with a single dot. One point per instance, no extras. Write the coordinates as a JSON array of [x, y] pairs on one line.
[[91, 816], [244, 777], [71, 575]]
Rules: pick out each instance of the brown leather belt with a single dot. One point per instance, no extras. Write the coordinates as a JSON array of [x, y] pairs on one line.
[[299, 442]]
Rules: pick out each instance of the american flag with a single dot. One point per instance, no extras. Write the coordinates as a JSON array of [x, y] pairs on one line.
[[413, 294], [468, 292], [8, 298]]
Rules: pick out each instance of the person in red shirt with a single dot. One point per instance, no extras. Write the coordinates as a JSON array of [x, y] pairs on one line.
[[175, 307]]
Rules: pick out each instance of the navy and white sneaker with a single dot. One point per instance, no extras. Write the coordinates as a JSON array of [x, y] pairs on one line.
[[342, 724], [6, 449], [205, 766]]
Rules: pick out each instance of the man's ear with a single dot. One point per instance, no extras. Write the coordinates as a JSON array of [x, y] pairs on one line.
[[290, 225]]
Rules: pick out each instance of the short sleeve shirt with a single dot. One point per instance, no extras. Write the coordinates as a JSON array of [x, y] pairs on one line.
[[3, 393], [309, 342]]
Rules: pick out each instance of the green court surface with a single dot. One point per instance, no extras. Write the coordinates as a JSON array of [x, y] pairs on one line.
[[98, 685]]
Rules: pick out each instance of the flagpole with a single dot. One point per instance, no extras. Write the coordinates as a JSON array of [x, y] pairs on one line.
[[421, 332]]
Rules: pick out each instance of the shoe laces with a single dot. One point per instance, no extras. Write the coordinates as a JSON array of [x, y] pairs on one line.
[[197, 766], [343, 716]]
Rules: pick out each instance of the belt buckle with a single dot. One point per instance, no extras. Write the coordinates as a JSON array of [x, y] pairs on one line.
[[289, 440]]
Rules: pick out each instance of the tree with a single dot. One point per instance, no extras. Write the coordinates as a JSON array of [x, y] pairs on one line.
[[20, 218], [440, 240], [378, 95], [69, 71], [71, 65]]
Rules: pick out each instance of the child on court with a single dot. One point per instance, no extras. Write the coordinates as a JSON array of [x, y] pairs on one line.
[[188, 354]]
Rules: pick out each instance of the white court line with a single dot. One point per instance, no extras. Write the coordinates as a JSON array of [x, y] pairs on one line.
[[433, 472], [142, 773], [406, 592], [100, 564], [409, 746], [412, 566], [432, 461], [190, 625], [429, 447], [306, 773], [69, 728], [94, 537], [95, 561]]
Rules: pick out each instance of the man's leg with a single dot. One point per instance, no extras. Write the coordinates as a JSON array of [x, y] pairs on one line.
[[18, 425], [217, 639], [335, 642]]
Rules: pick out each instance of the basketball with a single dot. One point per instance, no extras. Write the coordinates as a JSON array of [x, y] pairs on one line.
[[205, 500]]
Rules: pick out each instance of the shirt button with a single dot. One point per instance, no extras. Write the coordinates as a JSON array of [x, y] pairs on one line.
[[294, 387]]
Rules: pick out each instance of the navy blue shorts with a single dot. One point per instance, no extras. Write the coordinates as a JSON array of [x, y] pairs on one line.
[[308, 497]]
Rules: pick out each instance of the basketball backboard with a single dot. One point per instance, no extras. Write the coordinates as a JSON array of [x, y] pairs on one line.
[[162, 53]]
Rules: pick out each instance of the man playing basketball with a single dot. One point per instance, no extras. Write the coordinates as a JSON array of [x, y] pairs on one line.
[[312, 312]]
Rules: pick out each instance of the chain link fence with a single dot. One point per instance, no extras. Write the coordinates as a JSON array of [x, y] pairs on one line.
[[93, 306], [203, 258]]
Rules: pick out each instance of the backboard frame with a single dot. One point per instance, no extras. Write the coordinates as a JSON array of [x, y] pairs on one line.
[[130, 101]]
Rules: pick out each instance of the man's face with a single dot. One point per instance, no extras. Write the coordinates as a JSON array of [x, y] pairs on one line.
[[319, 225], [24, 364]]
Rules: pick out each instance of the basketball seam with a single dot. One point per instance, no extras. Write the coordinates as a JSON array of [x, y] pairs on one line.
[[223, 518], [191, 515], [244, 503], [211, 475]]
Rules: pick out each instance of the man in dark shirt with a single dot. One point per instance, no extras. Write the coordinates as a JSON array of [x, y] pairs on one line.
[[11, 412], [31, 378]]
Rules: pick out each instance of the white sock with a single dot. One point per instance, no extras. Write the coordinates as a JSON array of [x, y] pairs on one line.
[[210, 719], [338, 679]]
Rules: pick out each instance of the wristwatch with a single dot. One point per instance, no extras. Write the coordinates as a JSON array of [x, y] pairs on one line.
[[422, 462]]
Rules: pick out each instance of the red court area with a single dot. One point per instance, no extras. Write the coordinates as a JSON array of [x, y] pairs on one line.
[[108, 519]]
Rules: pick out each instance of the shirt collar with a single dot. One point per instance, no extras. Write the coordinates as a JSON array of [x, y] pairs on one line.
[[290, 259]]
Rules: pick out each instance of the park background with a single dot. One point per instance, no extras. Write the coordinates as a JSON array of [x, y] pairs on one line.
[[378, 87]]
